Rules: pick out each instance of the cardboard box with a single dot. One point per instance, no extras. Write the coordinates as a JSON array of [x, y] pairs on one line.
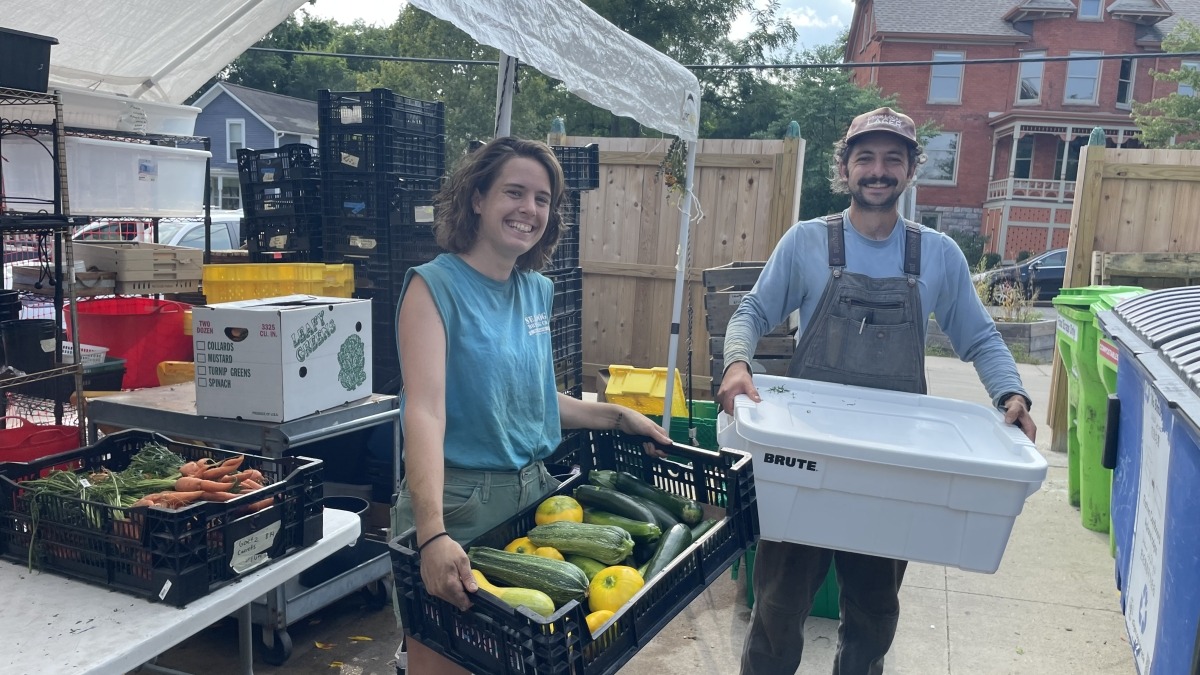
[[277, 359]]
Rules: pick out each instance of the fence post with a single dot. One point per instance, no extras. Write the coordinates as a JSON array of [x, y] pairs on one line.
[[786, 178], [558, 133]]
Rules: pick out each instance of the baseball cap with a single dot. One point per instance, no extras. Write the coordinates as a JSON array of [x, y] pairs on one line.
[[883, 119]]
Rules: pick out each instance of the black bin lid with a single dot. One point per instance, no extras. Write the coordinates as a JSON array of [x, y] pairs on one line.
[[34, 36], [1162, 316]]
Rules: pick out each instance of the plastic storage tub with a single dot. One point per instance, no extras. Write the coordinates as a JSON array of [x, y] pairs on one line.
[[107, 178], [98, 110], [884, 473], [143, 331]]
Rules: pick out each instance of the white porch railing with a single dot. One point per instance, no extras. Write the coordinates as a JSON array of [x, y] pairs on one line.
[[1031, 188]]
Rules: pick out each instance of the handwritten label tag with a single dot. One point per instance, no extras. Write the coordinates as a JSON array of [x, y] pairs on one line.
[[48, 345], [423, 214], [251, 551], [363, 242], [350, 160]]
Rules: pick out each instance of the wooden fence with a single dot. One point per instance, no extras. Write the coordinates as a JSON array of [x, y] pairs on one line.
[[748, 194], [1130, 201]]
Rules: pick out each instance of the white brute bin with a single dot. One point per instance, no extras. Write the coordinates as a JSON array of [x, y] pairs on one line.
[[884, 473]]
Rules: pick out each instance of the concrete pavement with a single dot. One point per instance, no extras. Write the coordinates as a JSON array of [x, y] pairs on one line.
[[1051, 608]]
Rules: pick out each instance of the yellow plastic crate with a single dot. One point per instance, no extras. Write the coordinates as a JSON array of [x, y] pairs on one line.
[[227, 283], [644, 390]]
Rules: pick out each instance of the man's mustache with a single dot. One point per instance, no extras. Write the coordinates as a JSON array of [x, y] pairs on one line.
[[886, 180]]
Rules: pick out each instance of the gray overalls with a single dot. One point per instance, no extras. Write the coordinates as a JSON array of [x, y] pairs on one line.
[[864, 332]]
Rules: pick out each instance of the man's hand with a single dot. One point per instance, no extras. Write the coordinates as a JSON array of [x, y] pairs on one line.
[[1016, 412], [736, 380], [637, 424]]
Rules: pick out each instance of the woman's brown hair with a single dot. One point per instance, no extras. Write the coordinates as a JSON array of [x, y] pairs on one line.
[[456, 223]]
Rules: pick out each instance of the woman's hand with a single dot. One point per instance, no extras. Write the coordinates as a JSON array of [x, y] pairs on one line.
[[446, 572], [632, 422]]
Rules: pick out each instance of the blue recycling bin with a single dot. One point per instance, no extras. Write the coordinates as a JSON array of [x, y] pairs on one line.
[[1154, 449]]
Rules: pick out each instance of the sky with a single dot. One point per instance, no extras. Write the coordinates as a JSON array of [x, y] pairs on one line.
[[818, 22]]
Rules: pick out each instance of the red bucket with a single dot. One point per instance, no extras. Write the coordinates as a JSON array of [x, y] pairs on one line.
[[28, 441], [143, 331]]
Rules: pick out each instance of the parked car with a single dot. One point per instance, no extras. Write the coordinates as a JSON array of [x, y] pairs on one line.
[[189, 232], [1039, 277]]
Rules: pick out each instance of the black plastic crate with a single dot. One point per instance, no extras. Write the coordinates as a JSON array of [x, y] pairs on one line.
[[566, 254], [379, 108], [383, 150], [568, 375], [361, 195], [269, 238], [566, 335], [581, 166], [175, 556], [497, 639], [300, 198], [568, 291], [104, 376], [26, 59], [293, 161], [417, 245]]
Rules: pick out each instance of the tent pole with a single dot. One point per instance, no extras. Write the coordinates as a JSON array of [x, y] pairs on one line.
[[685, 218], [506, 82]]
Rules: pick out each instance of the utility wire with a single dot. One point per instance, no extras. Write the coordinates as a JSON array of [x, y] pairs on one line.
[[771, 66]]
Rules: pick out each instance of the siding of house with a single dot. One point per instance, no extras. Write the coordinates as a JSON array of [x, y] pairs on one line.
[[211, 122]]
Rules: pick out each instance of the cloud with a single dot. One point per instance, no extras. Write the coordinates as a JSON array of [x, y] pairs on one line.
[[817, 21]]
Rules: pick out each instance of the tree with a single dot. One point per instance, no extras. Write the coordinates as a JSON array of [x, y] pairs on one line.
[[1173, 120], [823, 101]]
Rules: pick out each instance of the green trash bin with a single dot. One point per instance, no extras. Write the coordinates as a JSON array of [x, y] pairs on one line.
[[704, 418], [1106, 365], [1088, 482], [825, 604]]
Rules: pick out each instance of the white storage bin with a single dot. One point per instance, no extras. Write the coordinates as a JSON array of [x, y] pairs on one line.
[[96, 110], [106, 178], [884, 473]]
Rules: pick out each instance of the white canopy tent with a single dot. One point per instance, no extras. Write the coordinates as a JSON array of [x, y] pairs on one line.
[[164, 50]]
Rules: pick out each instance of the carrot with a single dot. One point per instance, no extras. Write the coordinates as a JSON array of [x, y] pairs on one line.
[[191, 484], [249, 474], [174, 500], [144, 501], [216, 496], [251, 485], [260, 505], [190, 469]]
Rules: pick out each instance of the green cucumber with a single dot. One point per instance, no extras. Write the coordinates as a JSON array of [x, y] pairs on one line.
[[673, 542], [614, 502], [562, 581], [590, 566], [700, 530], [607, 479], [663, 517], [687, 511], [607, 543], [639, 530]]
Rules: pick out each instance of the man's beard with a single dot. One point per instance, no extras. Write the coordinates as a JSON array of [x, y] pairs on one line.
[[857, 196]]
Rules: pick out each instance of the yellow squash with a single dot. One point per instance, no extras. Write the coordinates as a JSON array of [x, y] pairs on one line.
[[597, 619], [548, 552], [521, 545], [533, 599], [612, 587], [556, 508]]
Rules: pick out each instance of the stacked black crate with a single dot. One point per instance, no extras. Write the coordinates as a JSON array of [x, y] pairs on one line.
[[581, 168], [382, 156], [281, 203]]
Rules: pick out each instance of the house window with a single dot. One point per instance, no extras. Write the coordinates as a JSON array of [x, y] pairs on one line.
[[931, 219], [1029, 88], [1186, 89], [1023, 165], [941, 160], [235, 138], [1068, 153], [1125, 84], [226, 192], [1091, 10], [1082, 77], [945, 81]]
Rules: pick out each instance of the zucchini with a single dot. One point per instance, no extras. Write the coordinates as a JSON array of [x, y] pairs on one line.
[[673, 542], [614, 502], [700, 530], [639, 530], [663, 517], [687, 511], [590, 566], [607, 543], [529, 598], [562, 581], [606, 479]]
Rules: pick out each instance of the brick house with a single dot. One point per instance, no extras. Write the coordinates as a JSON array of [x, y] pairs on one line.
[[1005, 161]]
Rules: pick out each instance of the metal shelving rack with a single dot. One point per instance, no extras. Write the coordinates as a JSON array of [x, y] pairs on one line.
[[55, 223]]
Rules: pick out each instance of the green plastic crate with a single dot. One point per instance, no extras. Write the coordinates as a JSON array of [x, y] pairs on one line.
[[825, 604], [704, 417]]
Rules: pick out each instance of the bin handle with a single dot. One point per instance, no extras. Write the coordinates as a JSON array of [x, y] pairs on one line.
[[1111, 428], [24, 422]]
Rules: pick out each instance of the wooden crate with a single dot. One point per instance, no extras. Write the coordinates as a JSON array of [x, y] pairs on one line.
[[1148, 270], [724, 288]]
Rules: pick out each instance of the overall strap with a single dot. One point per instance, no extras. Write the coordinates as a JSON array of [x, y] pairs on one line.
[[912, 249], [837, 240]]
